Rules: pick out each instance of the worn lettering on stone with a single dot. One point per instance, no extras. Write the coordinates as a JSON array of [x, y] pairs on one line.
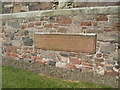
[[66, 42]]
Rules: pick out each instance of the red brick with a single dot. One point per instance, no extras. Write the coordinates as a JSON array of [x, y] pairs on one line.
[[23, 26], [70, 66], [62, 30], [111, 72], [37, 23], [117, 66], [75, 61], [99, 60], [102, 65], [11, 49], [63, 20], [99, 54], [30, 25], [40, 62], [48, 25], [101, 18], [86, 24], [84, 27], [35, 57], [13, 55], [87, 64]]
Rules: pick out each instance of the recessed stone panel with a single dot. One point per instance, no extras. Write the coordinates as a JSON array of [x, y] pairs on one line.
[[66, 42]]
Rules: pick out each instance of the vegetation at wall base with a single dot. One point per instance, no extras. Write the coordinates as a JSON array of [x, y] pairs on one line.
[[17, 78]]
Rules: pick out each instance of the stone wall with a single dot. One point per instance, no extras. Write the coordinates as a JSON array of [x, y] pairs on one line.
[[19, 28], [22, 6]]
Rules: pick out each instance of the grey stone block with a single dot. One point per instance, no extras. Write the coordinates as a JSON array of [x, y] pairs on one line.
[[14, 24], [27, 41], [116, 56], [107, 48], [7, 44], [51, 63], [16, 43], [64, 54], [108, 36]]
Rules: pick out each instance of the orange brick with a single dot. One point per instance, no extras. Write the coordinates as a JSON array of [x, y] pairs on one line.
[[86, 24], [70, 66], [75, 61], [48, 25]]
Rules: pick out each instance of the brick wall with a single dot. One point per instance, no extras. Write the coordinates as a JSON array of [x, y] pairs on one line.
[[18, 31]]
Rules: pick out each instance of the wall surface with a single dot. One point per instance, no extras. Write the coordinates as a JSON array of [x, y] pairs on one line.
[[18, 38]]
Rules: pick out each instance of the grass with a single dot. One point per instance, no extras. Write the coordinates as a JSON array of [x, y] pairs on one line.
[[17, 78]]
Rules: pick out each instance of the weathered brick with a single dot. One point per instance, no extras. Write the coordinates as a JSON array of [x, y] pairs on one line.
[[117, 66], [30, 25], [23, 26], [48, 25], [85, 24], [70, 66], [84, 27], [36, 57], [101, 18], [41, 62], [75, 61], [37, 23], [99, 60], [63, 20], [62, 30], [99, 54], [13, 55], [11, 49], [87, 64]]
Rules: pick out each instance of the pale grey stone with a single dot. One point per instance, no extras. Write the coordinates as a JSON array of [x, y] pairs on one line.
[[16, 43], [107, 48], [108, 36]]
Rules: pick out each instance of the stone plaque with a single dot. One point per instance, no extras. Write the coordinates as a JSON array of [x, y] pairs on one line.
[[66, 42]]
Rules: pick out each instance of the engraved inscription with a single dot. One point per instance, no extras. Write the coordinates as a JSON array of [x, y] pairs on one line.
[[66, 42]]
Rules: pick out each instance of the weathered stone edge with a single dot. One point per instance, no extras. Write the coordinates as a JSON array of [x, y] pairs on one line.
[[73, 11]]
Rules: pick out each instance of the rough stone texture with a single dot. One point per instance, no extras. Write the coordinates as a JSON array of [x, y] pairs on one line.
[[18, 42], [107, 48], [108, 36], [27, 41]]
